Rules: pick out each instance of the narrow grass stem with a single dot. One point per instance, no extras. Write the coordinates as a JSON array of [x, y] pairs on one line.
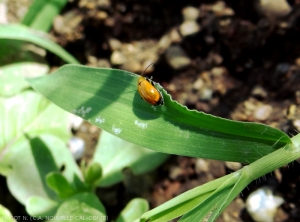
[[274, 160]]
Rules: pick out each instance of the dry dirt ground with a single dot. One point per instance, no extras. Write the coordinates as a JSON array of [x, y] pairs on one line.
[[235, 59]]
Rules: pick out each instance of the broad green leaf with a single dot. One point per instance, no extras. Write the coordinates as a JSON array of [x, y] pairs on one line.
[[108, 98], [115, 154], [93, 173], [11, 77], [81, 207], [59, 184], [40, 206], [19, 32], [42, 12], [30, 163], [133, 210], [5, 215], [79, 185], [30, 113]]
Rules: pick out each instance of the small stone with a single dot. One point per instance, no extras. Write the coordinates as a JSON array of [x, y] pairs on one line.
[[189, 28], [58, 24], [164, 43], [87, 4], [175, 173], [201, 166], [259, 91], [110, 22], [218, 71], [114, 44], [104, 63], [177, 58], [171, 87], [69, 25], [77, 147], [175, 36], [284, 25], [102, 15], [263, 112], [274, 8], [278, 175], [132, 66], [296, 124], [218, 59], [3, 13], [225, 22], [75, 122], [297, 61], [103, 3], [198, 84], [147, 67], [233, 165], [291, 111], [92, 60], [262, 204], [239, 116], [190, 13], [206, 94], [117, 58], [249, 105], [220, 9]]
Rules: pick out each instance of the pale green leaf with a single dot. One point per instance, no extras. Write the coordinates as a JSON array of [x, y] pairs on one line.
[[30, 113], [133, 210], [115, 154], [30, 163]]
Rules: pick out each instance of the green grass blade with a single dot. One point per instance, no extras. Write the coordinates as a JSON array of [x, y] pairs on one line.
[[108, 98], [206, 202], [19, 32], [185, 202], [214, 205], [42, 12]]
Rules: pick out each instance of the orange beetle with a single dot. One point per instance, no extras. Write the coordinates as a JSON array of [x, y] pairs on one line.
[[148, 92]]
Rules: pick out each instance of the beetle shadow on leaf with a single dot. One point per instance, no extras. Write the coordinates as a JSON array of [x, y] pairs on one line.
[[144, 110]]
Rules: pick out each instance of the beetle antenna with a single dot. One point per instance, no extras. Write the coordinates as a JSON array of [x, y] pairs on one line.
[[147, 68]]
